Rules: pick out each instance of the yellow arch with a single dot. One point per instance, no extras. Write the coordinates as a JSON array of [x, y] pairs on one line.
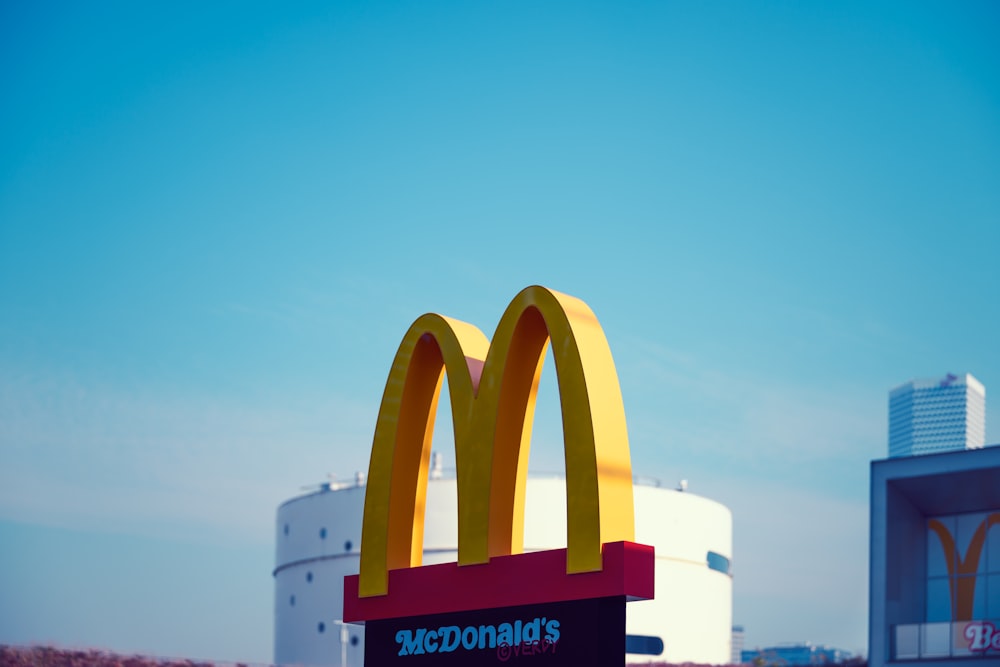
[[598, 463], [492, 393], [393, 525]]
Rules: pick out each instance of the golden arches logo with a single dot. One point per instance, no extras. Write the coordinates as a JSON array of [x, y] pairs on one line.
[[493, 387], [962, 571]]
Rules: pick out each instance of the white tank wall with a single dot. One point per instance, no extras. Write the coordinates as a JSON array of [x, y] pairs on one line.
[[309, 577], [693, 608], [692, 611]]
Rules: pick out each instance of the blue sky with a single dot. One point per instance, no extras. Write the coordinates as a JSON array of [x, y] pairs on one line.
[[217, 221]]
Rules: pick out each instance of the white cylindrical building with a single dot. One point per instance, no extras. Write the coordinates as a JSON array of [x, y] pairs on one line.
[[319, 537]]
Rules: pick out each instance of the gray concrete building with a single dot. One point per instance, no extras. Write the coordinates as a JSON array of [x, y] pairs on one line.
[[935, 559]]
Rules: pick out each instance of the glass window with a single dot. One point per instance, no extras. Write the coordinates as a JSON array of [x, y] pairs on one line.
[[321, 627], [322, 533], [993, 596], [907, 642], [938, 600], [978, 597], [348, 545], [309, 577], [968, 526], [286, 529], [937, 564], [993, 546], [935, 640], [973, 540], [291, 601], [718, 562]]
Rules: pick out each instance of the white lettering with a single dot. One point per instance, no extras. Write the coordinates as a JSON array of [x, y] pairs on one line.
[[981, 635]]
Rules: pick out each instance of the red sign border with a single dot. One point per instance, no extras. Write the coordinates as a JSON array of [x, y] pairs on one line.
[[505, 581]]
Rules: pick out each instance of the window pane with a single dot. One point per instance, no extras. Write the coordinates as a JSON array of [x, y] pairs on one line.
[[938, 600], [935, 640], [936, 562], [992, 596], [993, 548], [718, 562], [959, 642], [967, 525], [979, 597], [907, 642]]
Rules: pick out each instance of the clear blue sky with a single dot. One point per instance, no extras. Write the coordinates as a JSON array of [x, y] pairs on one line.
[[218, 219]]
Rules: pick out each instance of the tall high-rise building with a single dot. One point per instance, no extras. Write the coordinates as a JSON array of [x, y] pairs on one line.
[[929, 416]]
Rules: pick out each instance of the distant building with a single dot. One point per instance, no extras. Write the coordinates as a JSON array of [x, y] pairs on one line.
[[934, 583], [939, 415], [795, 654], [737, 645]]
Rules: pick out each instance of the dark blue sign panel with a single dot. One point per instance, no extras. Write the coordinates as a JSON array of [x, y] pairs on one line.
[[573, 633], [643, 645]]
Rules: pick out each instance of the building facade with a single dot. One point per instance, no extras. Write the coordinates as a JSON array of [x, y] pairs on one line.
[[794, 655], [939, 415], [690, 619], [935, 560], [736, 645]]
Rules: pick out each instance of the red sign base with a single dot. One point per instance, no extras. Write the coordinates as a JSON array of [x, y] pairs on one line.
[[506, 581]]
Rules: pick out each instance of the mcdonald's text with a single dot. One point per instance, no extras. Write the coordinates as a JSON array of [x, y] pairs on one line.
[[538, 632]]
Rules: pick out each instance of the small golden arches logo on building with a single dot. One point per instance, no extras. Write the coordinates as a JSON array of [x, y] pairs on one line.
[[962, 571]]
